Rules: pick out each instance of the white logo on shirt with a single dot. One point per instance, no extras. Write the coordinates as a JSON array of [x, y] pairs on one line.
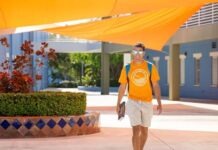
[[139, 77]]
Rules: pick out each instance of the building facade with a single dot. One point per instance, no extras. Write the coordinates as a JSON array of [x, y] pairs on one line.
[[198, 69], [198, 42]]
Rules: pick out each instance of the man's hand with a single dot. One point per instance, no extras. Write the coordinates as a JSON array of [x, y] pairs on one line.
[[159, 109], [121, 92], [118, 108], [157, 93]]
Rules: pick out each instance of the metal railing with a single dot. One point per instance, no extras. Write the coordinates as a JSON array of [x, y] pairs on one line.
[[208, 14]]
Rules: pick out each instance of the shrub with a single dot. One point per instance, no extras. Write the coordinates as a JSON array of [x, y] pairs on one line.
[[19, 80], [42, 104]]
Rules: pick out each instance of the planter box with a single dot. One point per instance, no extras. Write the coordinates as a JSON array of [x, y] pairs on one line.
[[49, 126]]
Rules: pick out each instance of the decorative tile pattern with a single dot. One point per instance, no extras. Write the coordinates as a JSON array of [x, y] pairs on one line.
[[34, 130], [23, 131], [40, 124], [16, 124], [62, 123], [93, 120], [28, 124], [51, 123], [87, 121], [67, 129], [5, 124], [71, 122], [80, 122], [46, 131], [49, 126]]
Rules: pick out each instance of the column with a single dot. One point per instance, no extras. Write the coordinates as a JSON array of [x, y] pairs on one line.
[[174, 72], [105, 70]]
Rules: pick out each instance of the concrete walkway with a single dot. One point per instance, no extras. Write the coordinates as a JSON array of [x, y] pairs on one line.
[[182, 126]]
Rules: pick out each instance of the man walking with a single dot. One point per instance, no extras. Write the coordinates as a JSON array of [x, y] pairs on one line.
[[140, 76]]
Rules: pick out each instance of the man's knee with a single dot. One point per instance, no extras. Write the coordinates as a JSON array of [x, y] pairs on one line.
[[144, 130], [136, 130]]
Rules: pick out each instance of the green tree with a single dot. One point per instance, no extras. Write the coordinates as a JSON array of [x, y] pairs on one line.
[[85, 68], [91, 67], [62, 68], [116, 64]]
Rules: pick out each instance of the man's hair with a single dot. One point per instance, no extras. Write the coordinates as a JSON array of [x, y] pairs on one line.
[[140, 45]]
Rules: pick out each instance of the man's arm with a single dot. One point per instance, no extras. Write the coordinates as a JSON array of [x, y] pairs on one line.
[[157, 93], [121, 93]]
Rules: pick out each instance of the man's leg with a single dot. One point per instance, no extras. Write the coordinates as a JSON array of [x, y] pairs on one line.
[[143, 136], [136, 141], [147, 113]]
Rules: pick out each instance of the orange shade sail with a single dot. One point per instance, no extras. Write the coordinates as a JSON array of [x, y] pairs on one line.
[[20, 13], [152, 22], [153, 28]]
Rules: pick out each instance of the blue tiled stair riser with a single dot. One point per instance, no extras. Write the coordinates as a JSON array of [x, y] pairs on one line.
[[47, 126]]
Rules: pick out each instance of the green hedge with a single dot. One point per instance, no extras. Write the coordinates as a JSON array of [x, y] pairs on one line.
[[42, 104]]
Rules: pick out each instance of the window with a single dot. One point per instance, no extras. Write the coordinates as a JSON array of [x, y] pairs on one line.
[[214, 68], [168, 69], [156, 61], [197, 71], [197, 68], [182, 69]]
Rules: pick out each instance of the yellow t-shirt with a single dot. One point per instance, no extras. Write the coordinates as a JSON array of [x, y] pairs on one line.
[[139, 81]]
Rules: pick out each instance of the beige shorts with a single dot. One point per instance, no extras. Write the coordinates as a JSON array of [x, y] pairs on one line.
[[140, 113]]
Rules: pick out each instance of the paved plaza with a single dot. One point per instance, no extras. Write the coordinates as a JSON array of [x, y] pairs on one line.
[[183, 125]]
